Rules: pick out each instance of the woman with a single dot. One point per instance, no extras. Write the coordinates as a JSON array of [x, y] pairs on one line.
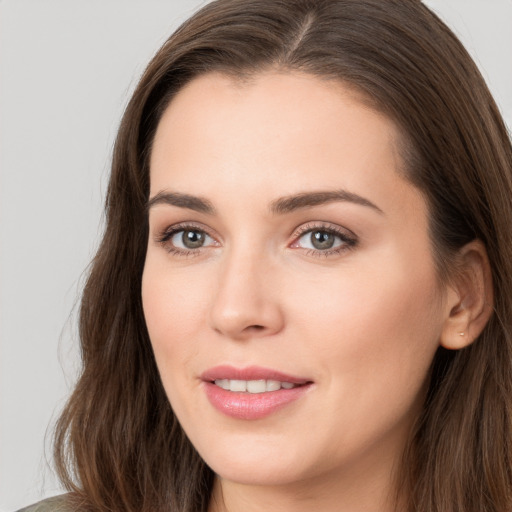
[[301, 299]]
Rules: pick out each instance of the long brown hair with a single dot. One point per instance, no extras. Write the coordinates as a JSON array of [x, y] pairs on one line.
[[118, 444]]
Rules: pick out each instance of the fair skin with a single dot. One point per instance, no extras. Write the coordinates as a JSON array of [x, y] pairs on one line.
[[340, 291]]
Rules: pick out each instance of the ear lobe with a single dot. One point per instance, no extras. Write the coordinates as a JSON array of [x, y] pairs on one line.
[[469, 301]]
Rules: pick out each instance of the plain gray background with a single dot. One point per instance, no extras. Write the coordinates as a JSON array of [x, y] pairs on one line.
[[67, 68]]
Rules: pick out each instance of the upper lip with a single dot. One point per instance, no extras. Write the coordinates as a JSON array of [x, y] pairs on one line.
[[250, 373]]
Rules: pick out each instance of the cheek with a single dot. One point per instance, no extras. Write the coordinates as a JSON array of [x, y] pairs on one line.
[[378, 327], [174, 308], [371, 337]]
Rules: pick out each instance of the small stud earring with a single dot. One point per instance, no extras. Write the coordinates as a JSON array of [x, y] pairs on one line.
[[461, 334]]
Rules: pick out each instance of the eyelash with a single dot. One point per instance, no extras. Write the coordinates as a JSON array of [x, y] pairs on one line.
[[348, 239], [164, 238]]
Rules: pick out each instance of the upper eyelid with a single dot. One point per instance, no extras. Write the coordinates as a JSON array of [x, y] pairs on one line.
[[183, 226], [322, 225], [303, 227]]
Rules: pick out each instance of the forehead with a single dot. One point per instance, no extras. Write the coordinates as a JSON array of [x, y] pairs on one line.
[[272, 120]]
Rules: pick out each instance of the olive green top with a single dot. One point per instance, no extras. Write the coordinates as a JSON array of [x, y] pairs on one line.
[[55, 504]]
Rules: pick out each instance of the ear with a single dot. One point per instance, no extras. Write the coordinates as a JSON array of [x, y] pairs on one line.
[[469, 300]]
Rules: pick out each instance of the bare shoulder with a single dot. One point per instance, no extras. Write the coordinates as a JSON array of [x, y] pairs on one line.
[[55, 504]]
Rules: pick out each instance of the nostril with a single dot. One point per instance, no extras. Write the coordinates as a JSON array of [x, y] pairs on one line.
[[256, 327]]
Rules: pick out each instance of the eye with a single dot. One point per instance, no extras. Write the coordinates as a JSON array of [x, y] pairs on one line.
[[324, 241], [190, 239], [321, 240], [185, 240]]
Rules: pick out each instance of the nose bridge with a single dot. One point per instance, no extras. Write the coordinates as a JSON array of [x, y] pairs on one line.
[[246, 302]]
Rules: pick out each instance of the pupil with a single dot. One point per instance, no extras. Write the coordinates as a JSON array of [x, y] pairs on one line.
[[193, 239], [322, 240]]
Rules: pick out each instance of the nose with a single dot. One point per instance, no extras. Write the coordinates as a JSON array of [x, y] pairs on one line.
[[246, 304]]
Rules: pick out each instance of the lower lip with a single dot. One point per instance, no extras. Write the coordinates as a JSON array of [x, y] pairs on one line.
[[252, 406]]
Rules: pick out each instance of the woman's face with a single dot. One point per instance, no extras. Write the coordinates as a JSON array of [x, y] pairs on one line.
[[286, 247]]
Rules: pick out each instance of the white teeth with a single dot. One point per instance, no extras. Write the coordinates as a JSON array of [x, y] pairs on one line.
[[238, 385], [256, 386], [273, 385], [253, 386], [223, 383]]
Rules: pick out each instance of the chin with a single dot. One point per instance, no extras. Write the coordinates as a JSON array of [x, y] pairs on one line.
[[255, 461], [263, 473]]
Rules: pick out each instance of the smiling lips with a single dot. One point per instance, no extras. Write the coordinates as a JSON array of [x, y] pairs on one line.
[[251, 393]]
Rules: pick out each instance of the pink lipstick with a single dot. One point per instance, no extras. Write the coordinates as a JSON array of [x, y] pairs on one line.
[[251, 393]]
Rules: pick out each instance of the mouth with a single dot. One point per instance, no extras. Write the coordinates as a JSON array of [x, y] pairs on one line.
[[252, 393]]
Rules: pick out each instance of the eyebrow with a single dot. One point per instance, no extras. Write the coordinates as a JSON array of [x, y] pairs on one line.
[[198, 204], [279, 206], [309, 199]]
